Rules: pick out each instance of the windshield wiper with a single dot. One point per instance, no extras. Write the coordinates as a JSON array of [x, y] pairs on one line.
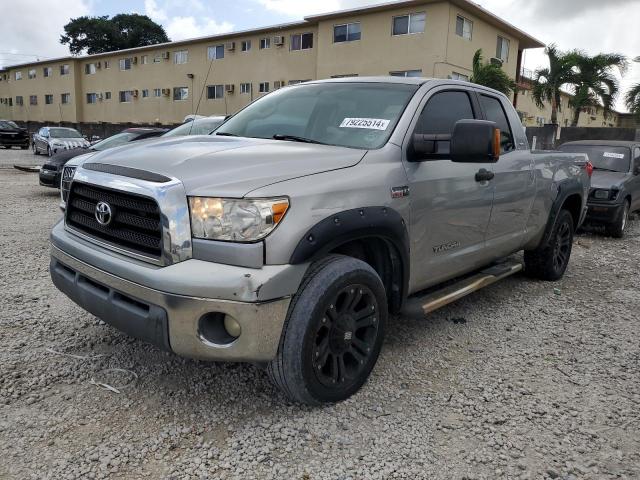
[[605, 169], [295, 138], [226, 134]]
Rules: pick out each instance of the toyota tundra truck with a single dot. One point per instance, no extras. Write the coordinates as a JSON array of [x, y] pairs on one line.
[[289, 236]]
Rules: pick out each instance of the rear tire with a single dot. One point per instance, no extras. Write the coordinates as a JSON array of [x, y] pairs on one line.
[[616, 229], [550, 262], [333, 332]]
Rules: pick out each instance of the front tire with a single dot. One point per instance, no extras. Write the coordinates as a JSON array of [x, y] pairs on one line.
[[49, 152], [35, 149], [551, 261], [333, 332], [617, 229]]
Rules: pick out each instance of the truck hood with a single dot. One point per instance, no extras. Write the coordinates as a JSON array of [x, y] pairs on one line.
[[229, 166], [607, 180]]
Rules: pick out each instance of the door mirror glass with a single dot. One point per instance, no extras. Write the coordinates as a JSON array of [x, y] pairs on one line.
[[475, 141]]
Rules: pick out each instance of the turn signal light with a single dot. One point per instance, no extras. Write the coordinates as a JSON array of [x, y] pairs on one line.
[[589, 168], [496, 143]]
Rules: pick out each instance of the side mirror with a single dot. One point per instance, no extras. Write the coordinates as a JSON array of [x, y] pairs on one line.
[[475, 141]]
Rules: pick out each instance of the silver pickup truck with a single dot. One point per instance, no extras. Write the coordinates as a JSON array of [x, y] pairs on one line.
[[290, 235]]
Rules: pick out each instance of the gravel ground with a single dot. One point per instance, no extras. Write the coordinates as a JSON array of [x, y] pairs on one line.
[[522, 380]]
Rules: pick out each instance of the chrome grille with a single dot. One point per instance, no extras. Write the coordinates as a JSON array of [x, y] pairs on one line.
[[135, 220], [67, 177]]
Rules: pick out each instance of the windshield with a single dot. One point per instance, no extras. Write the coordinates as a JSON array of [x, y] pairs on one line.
[[356, 115], [613, 159], [203, 126], [114, 141], [64, 133], [8, 124]]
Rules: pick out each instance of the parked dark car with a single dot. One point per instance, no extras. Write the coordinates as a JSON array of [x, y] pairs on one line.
[[615, 184], [11, 135], [52, 169]]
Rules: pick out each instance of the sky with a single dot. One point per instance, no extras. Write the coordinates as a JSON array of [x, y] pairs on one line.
[[595, 26]]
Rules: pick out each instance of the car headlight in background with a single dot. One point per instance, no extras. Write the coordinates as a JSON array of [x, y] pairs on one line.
[[237, 220], [603, 194]]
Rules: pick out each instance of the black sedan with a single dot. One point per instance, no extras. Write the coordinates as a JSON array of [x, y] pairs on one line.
[[11, 135], [52, 169]]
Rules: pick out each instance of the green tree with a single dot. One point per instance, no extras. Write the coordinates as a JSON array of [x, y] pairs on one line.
[[491, 75], [595, 83], [104, 34], [548, 82], [632, 100]]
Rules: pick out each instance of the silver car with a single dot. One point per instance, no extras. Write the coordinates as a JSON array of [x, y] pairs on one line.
[[51, 140]]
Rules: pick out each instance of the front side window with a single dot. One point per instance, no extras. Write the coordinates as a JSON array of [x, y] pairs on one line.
[[181, 57], [215, 91], [18, 75], [502, 50], [47, 71], [330, 113], [215, 52], [409, 24], [265, 43], [264, 87], [441, 113], [92, 98], [65, 98], [406, 73], [245, 46], [245, 88], [33, 100], [32, 73], [64, 69], [464, 27], [494, 111], [48, 99], [301, 41], [348, 32], [180, 93], [126, 96], [125, 64]]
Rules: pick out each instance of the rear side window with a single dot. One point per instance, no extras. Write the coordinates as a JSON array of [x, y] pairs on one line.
[[495, 112], [442, 111]]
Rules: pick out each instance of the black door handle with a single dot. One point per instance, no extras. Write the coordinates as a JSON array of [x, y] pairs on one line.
[[484, 175]]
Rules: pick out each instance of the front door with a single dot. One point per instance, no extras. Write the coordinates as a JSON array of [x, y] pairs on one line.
[[635, 181], [450, 209]]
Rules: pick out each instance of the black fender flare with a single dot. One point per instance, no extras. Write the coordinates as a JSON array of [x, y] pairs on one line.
[[358, 224], [566, 188]]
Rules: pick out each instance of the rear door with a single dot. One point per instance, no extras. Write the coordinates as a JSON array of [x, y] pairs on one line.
[[514, 182], [450, 210]]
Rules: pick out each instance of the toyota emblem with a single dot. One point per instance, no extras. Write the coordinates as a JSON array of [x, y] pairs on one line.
[[103, 213]]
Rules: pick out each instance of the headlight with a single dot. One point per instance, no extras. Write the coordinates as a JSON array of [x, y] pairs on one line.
[[238, 220], [602, 194]]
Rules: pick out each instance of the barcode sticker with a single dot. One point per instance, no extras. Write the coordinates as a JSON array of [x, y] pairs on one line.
[[613, 155], [367, 123]]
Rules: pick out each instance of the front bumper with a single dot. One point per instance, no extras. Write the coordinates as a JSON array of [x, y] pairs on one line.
[[49, 178], [15, 142], [603, 213], [165, 305]]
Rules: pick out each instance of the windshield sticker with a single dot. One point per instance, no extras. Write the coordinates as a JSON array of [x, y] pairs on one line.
[[613, 155], [368, 123]]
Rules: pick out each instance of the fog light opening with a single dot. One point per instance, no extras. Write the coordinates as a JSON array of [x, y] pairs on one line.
[[218, 328]]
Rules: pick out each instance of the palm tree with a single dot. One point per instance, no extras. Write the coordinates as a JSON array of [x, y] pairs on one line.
[[491, 75], [549, 81], [632, 98], [595, 83]]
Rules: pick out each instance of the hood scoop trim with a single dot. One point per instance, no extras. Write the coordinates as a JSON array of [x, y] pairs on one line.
[[126, 172]]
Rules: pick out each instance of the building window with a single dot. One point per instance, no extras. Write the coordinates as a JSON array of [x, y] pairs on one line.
[[180, 93], [89, 68], [409, 24], [157, 92], [48, 99], [464, 27], [459, 76], [263, 87], [348, 32], [33, 100], [245, 88], [502, 51], [47, 71], [65, 98], [245, 46], [64, 69], [145, 93], [157, 59], [215, 52], [32, 73], [265, 43], [144, 59], [18, 76], [19, 101], [181, 57], [302, 41], [215, 91], [126, 96], [406, 73], [107, 95], [125, 64], [92, 97], [107, 64]]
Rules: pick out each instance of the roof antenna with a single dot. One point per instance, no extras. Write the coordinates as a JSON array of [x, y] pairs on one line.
[[204, 85]]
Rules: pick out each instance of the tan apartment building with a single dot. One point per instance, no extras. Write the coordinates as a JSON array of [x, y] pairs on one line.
[[164, 83]]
